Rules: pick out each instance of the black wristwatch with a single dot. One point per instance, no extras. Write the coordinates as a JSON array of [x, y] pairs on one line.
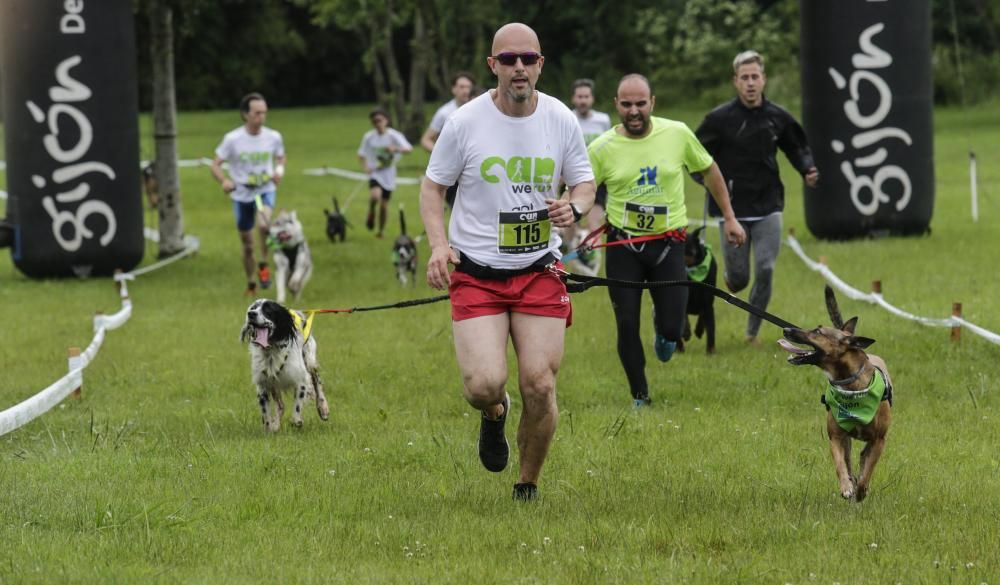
[[577, 216]]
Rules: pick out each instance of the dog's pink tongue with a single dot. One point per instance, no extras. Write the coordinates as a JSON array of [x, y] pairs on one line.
[[785, 345], [260, 336]]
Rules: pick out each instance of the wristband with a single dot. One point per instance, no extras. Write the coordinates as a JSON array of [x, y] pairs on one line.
[[577, 216]]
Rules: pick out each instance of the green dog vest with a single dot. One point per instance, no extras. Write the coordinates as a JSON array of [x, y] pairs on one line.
[[698, 272], [854, 410]]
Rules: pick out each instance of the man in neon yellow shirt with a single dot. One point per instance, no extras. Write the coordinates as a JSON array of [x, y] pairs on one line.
[[642, 162]]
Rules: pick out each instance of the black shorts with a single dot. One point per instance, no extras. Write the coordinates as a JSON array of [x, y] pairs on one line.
[[386, 194]]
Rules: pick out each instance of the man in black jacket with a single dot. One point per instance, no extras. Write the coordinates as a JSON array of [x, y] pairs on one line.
[[743, 136]]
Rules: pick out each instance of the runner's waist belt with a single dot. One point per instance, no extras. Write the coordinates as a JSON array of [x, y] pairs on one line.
[[467, 266], [617, 234]]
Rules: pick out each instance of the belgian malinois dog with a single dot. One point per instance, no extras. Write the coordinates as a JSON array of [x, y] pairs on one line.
[[858, 398]]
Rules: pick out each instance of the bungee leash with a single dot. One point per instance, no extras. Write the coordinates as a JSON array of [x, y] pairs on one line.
[[575, 283], [578, 283], [591, 241], [306, 326]]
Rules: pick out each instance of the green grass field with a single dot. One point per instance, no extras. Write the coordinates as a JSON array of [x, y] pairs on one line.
[[162, 472]]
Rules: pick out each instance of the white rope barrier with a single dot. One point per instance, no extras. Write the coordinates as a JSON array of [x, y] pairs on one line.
[[354, 175], [878, 299], [26, 411]]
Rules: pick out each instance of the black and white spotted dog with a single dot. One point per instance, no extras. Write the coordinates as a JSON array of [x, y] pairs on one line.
[[282, 358], [404, 253], [292, 260]]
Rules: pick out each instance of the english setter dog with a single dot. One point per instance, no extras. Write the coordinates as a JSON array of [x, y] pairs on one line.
[[282, 357]]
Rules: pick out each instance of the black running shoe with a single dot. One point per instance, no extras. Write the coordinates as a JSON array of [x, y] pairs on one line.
[[493, 448], [525, 492]]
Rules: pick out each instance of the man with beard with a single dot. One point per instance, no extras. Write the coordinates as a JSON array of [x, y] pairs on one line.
[[642, 162], [508, 150], [743, 135]]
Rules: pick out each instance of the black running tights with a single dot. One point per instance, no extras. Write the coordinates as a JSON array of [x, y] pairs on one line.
[[670, 303]]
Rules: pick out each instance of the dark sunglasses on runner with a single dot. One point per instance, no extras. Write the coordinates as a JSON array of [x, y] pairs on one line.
[[509, 59]]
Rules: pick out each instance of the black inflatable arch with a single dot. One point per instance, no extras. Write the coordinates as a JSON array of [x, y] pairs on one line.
[[867, 107], [72, 136]]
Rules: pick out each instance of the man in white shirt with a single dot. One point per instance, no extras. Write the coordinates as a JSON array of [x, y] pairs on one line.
[[508, 149], [256, 158], [593, 124], [380, 150], [462, 85]]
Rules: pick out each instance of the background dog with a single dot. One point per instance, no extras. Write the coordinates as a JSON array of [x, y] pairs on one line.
[[336, 223], [404, 253], [858, 399], [701, 267], [292, 260], [281, 358]]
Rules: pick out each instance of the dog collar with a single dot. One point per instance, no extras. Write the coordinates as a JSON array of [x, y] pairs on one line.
[[850, 380]]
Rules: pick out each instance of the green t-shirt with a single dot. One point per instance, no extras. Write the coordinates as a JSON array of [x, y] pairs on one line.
[[645, 176], [852, 411]]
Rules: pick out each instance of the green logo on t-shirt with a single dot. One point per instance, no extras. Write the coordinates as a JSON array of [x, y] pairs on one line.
[[524, 172], [255, 157]]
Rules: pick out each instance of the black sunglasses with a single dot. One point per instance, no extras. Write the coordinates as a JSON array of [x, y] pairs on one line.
[[509, 59]]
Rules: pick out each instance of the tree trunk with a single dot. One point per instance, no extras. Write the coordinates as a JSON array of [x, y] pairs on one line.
[[165, 128], [397, 91], [413, 126]]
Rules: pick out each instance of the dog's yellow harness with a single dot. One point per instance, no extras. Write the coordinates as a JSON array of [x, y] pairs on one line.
[[852, 409], [303, 326]]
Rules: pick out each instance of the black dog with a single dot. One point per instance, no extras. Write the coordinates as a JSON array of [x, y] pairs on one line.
[[336, 223], [701, 267], [404, 253]]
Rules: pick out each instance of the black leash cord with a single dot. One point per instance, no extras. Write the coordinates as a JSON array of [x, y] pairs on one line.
[[402, 304], [582, 283]]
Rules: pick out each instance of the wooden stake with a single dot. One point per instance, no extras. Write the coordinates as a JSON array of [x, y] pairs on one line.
[[956, 331], [822, 260], [877, 286]]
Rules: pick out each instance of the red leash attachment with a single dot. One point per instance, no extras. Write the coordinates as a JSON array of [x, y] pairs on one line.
[[592, 240]]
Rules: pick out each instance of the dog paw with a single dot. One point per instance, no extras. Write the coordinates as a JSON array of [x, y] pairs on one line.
[[324, 411], [297, 423], [861, 493]]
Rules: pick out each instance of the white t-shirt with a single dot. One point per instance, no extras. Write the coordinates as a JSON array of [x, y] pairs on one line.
[[595, 124], [506, 167], [441, 115], [373, 148], [251, 159]]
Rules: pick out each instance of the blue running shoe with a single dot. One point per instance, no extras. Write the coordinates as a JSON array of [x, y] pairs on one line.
[[664, 349], [642, 402]]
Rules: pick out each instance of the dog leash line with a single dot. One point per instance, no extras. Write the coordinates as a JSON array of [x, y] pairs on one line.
[[581, 283], [399, 305]]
